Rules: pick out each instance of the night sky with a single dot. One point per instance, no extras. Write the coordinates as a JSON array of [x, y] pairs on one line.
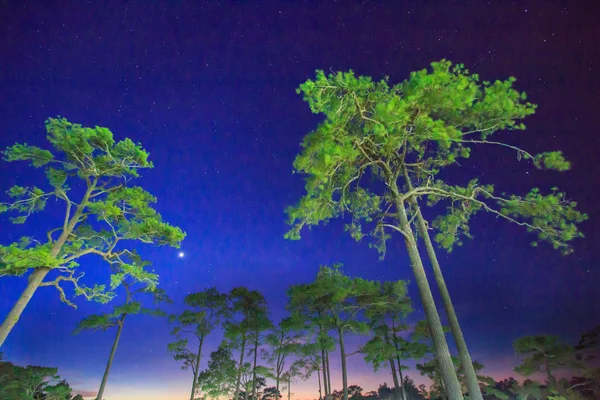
[[209, 90]]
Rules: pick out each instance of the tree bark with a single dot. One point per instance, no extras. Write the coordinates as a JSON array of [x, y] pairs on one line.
[[197, 370], [344, 371], [239, 375], [440, 345], [459, 339], [111, 357], [33, 283]]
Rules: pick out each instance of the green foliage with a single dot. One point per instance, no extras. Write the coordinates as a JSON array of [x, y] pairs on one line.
[[134, 287], [107, 214], [544, 354], [385, 321], [282, 342], [205, 310], [339, 298], [377, 138], [32, 383], [219, 378]]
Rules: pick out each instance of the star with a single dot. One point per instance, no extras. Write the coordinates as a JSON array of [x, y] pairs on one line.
[[181, 254]]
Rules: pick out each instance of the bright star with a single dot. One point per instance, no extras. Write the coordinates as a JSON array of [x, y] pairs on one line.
[[181, 254]]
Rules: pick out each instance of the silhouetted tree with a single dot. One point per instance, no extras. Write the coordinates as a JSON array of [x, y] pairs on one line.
[[271, 393], [282, 342], [386, 345], [313, 310], [205, 311], [32, 383], [344, 299], [247, 314]]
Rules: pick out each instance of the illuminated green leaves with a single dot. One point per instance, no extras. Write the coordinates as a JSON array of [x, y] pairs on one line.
[[99, 221], [17, 259], [552, 217], [375, 136], [24, 152], [553, 160]]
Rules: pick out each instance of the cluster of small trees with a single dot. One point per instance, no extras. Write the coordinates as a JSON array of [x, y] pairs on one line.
[[255, 351], [322, 313], [375, 162]]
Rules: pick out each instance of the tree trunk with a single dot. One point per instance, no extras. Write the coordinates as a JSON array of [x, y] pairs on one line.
[[328, 374], [551, 379], [111, 357], [318, 379], [324, 373], [461, 345], [34, 281], [289, 389], [197, 370], [239, 375], [435, 325], [404, 395], [344, 371], [254, 367], [395, 378], [37, 276]]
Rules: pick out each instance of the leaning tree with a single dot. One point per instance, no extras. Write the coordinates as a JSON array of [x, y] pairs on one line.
[[378, 156], [136, 282], [103, 216]]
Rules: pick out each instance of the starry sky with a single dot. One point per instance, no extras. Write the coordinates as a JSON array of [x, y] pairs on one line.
[[209, 89]]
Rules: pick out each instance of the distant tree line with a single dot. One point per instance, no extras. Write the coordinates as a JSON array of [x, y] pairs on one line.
[[255, 351]]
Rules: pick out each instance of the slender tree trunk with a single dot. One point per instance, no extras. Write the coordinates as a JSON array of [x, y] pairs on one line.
[[344, 371], [551, 379], [392, 364], [395, 378], [289, 388], [404, 395], [111, 357], [34, 281], [277, 386], [197, 370], [254, 367], [459, 339], [319, 380], [439, 341], [324, 373], [239, 375], [328, 374], [37, 276]]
